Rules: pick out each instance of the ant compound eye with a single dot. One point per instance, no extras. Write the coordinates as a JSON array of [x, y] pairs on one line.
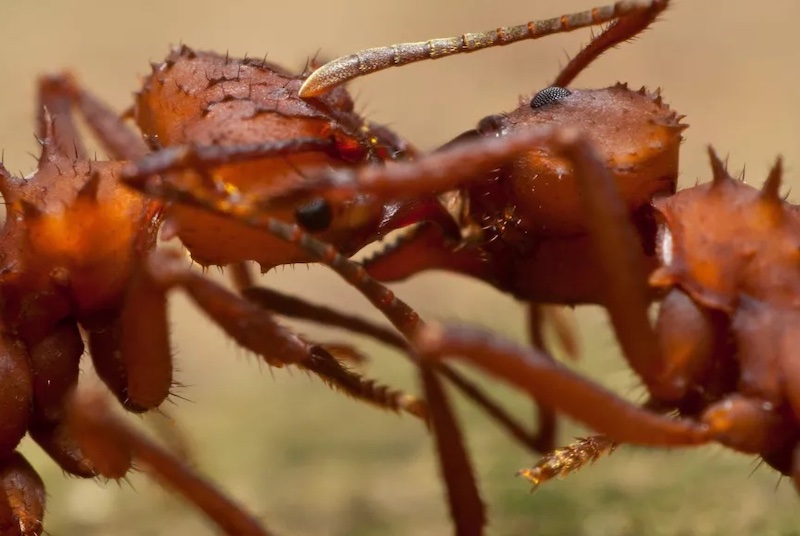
[[549, 95], [491, 125], [315, 216]]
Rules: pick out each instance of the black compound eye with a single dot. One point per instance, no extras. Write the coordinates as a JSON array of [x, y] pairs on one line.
[[315, 216], [549, 95]]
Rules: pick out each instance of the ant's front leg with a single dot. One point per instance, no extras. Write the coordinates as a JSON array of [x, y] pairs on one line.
[[441, 171], [202, 158]]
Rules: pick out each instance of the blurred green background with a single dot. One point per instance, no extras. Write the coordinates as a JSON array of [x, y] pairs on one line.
[[312, 462]]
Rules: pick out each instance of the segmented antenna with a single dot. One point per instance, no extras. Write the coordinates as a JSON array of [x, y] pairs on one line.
[[371, 60]]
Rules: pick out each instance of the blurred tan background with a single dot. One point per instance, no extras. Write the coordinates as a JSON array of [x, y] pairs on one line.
[[312, 462]]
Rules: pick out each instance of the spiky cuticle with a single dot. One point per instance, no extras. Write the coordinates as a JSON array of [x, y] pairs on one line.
[[719, 169], [771, 189]]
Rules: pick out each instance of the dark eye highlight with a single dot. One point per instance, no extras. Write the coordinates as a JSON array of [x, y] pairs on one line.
[[315, 216]]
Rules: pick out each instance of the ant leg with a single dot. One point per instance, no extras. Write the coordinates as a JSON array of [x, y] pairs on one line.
[[55, 363], [583, 451], [16, 397], [465, 502], [626, 291], [547, 423], [466, 507], [621, 30], [434, 173], [146, 349], [241, 276], [60, 91], [296, 308], [564, 461], [104, 349], [23, 503], [560, 388], [564, 329], [749, 425], [112, 443], [426, 247], [54, 101], [202, 157], [293, 307]]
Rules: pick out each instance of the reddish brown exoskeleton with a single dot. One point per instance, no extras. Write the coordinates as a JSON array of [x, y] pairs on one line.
[[590, 168], [522, 224], [725, 333], [721, 350], [554, 385], [77, 250], [70, 248], [523, 229], [239, 126], [67, 253]]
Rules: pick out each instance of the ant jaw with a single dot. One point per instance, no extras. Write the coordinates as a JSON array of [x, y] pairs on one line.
[[426, 247]]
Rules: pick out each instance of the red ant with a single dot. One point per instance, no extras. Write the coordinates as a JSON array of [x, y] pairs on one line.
[[239, 126], [67, 252], [247, 110], [728, 255], [726, 251], [77, 251], [93, 263], [502, 241], [522, 226], [603, 222]]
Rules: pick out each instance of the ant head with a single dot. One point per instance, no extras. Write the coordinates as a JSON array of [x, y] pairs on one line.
[[636, 135]]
